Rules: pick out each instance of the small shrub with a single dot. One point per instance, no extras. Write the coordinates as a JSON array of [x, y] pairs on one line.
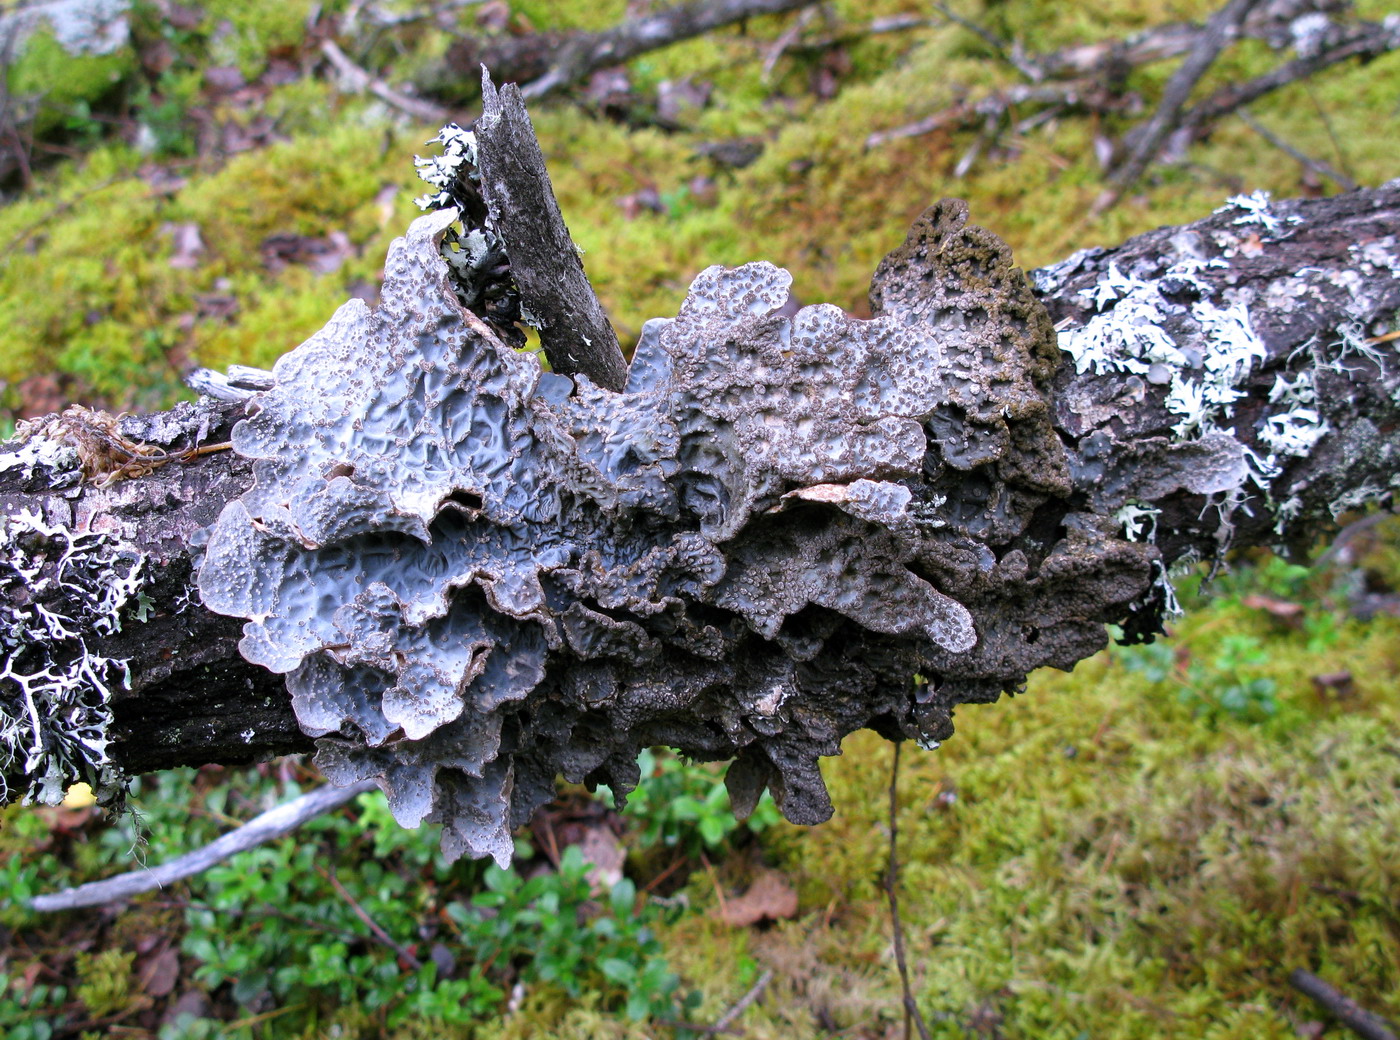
[[548, 929], [685, 805]]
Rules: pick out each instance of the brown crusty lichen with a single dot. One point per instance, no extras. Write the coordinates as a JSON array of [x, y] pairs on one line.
[[478, 575]]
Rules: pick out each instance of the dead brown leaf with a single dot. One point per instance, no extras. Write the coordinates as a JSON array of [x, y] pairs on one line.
[[186, 242], [159, 974], [604, 855], [769, 898], [1291, 614], [322, 254], [1334, 685]]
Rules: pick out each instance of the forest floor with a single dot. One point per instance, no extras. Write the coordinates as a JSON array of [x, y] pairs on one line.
[[1143, 848]]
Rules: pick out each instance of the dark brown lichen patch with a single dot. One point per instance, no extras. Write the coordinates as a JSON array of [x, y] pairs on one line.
[[478, 576]]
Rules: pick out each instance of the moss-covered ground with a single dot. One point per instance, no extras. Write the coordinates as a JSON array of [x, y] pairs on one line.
[[1142, 848]]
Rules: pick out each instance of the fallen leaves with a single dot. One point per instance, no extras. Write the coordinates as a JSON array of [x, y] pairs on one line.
[[769, 898]]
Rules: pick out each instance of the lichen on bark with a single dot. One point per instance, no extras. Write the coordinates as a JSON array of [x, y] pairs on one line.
[[478, 575]]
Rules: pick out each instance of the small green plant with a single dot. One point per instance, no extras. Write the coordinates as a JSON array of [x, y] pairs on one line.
[[684, 805], [1226, 686], [549, 931], [28, 1012]]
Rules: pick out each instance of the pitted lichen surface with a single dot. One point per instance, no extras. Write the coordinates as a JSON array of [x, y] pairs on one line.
[[478, 576]]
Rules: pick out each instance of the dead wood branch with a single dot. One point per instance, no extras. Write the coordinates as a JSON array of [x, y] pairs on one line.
[[1348, 1012], [1364, 42], [360, 81], [1143, 144], [261, 829], [544, 262], [1326, 296], [548, 62], [1091, 77]]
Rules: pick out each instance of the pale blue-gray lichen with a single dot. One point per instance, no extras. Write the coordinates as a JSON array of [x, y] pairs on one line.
[[477, 575]]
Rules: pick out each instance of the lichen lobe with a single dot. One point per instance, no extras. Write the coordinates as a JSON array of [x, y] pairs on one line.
[[478, 576]]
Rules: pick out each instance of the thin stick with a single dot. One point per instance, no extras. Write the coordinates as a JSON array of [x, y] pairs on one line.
[[272, 824], [755, 991], [361, 82], [1005, 53], [1317, 166], [911, 1007], [1368, 42], [588, 52], [1219, 31], [369, 922], [1347, 1011]]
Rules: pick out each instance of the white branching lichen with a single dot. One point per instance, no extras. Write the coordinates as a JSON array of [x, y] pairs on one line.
[[441, 171], [58, 589], [1257, 211], [1139, 520]]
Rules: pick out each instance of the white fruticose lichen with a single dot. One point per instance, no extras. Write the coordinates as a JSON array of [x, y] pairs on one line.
[[1129, 335], [458, 150], [1257, 206], [1139, 520], [42, 453], [1130, 331], [59, 587]]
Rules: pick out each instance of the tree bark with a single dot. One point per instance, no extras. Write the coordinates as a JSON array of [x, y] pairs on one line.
[[1322, 287], [544, 262]]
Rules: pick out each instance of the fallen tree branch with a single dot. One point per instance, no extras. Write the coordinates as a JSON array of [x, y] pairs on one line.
[[1091, 77], [261, 829], [1346, 1011], [1030, 516], [548, 62], [1144, 143], [361, 81], [1364, 42]]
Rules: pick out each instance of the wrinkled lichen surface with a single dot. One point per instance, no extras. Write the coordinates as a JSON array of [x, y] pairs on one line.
[[477, 575]]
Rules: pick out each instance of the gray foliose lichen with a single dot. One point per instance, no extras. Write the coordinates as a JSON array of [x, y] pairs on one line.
[[477, 575]]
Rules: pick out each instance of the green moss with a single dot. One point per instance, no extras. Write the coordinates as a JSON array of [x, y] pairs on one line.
[[106, 981], [248, 34], [66, 87]]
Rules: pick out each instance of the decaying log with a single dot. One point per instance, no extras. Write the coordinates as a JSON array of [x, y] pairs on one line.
[[743, 554]]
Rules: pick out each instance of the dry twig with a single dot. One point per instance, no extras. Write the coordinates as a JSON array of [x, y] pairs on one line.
[[266, 827], [369, 922], [1144, 143], [1347, 1011], [362, 82], [1317, 166], [744, 1002], [911, 1006]]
